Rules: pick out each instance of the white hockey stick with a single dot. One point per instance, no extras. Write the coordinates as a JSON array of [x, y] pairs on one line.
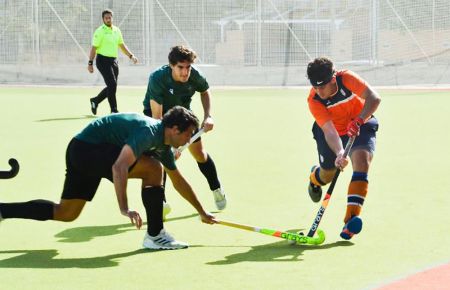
[[192, 140]]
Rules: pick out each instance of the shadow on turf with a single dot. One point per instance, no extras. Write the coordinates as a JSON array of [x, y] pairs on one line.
[[67, 119], [276, 252], [85, 234], [46, 259]]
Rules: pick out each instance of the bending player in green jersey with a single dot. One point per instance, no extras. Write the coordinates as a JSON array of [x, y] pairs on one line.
[[119, 147]]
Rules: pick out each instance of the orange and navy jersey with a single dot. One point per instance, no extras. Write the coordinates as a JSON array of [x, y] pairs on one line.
[[344, 106]]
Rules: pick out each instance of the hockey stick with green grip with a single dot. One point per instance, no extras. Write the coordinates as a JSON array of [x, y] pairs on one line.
[[300, 239]]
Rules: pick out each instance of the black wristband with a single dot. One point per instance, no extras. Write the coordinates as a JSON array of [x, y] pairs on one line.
[[131, 56], [90, 62]]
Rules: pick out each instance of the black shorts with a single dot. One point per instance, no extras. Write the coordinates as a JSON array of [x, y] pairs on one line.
[[366, 140], [86, 165]]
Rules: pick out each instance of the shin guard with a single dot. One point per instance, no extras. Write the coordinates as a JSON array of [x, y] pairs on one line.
[[208, 169], [40, 210], [152, 198], [315, 176]]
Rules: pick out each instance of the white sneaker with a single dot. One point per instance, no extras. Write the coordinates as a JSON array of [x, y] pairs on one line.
[[166, 210], [220, 198], [163, 241]]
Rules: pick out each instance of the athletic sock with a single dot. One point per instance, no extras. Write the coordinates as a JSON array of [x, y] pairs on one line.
[[208, 168], [152, 198], [315, 177], [357, 191], [40, 210]]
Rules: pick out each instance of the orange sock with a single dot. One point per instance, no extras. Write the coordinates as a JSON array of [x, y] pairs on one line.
[[315, 176], [357, 191]]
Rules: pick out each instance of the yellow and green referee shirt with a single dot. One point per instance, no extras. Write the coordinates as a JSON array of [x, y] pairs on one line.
[[107, 39]]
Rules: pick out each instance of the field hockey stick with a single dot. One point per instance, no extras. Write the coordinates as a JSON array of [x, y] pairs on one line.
[[327, 197], [299, 238], [192, 140], [12, 172]]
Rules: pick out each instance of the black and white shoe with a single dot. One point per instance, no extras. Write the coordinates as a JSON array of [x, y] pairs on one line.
[[219, 198], [94, 106], [163, 241]]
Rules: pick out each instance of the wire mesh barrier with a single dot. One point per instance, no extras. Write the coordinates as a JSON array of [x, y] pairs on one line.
[[239, 42]]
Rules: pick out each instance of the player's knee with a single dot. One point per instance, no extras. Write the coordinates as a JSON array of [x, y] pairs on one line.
[[149, 170], [361, 165], [66, 214], [70, 217], [200, 155], [326, 175], [153, 177], [152, 182]]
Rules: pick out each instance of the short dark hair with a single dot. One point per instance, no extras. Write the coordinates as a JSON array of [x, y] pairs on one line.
[[107, 11], [181, 53], [320, 71], [180, 117]]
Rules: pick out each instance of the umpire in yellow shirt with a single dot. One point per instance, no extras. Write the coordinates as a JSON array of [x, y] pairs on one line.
[[105, 41]]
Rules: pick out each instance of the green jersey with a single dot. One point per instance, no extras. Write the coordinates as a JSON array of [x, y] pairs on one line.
[[107, 39], [169, 93], [141, 133]]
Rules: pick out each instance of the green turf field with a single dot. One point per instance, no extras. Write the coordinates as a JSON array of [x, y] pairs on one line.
[[263, 150]]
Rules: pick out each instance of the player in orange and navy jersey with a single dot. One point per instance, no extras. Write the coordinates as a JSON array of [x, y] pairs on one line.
[[342, 104]]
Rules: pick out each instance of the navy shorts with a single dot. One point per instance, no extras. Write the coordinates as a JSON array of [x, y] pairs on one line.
[[366, 140], [86, 165]]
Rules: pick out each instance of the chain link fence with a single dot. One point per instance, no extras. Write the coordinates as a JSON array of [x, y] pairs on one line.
[[239, 42]]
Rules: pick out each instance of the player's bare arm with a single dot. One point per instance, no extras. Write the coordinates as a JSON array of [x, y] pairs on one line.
[[157, 110], [120, 178], [332, 137], [92, 54], [372, 101], [127, 52], [335, 143], [208, 121], [185, 190]]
